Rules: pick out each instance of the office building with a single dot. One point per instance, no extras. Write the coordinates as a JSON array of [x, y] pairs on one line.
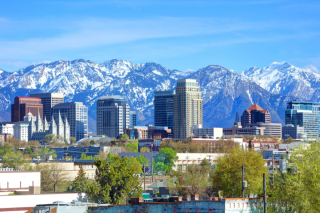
[[23, 105], [293, 131], [152, 144], [198, 131], [255, 114], [133, 118], [48, 100], [164, 108], [77, 115], [113, 116], [137, 132], [188, 107], [6, 128], [238, 130], [270, 129], [306, 115]]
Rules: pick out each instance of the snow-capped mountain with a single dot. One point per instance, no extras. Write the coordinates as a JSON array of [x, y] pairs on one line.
[[284, 78], [225, 91]]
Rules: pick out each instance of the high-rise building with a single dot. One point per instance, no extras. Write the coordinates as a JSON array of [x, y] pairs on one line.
[[113, 116], [188, 107], [255, 114], [164, 108], [304, 114], [23, 105], [133, 118], [77, 116], [49, 100]]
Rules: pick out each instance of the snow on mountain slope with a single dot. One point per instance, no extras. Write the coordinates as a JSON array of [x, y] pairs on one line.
[[225, 91], [284, 78]]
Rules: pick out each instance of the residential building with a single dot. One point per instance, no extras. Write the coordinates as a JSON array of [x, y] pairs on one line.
[[113, 116], [133, 118], [164, 108], [23, 105], [185, 159], [49, 100], [152, 144], [271, 129], [198, 131], [255, 114], [137, 132], [306, 115], [38, 129], [4, 138], [152, 132], [20, 130], [188, 107], [77, 115], [293, 131]]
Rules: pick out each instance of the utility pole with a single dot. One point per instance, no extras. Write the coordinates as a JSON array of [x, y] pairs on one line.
[[152, 161], [144, 173], [242, 181], [273, 168], [264, 194]]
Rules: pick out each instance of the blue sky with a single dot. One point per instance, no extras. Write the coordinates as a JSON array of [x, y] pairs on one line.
[[183, 35]]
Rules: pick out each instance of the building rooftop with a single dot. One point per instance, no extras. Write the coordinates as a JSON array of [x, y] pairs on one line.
[[255, 107], [110, 97], [67, 104]]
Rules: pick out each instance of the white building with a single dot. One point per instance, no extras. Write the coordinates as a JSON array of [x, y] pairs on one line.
[[198, 131], [185, 159], [6, 128], [20, 130], [18, 180]]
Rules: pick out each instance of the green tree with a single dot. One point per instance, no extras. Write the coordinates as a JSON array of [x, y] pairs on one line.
[[110, 157], [124, 137], [204, 162], [135, 164], [115, 182], [49, 138], [80, 182], [297, 189], [143, 160], [164, 160], [72, 140], [15, 160], [6, 148], [46, 152], [132, 146], [144, 149], [92, 142], [227, 175]]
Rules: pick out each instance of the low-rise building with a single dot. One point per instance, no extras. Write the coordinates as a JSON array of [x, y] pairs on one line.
[[271, 129], [185, 159], [238, 130], [152, 144], [6, 128], [148, 132], [4, 138], [199, 131]]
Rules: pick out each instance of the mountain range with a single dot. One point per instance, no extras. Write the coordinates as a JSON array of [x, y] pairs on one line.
[[224, 91]]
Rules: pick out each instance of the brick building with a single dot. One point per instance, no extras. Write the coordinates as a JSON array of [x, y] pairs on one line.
[[255, 114], [23, 105]]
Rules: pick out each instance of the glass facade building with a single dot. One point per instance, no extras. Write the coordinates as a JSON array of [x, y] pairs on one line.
[[304, 114], [113, 116], [164, 108], [77, 115], [133, 118]]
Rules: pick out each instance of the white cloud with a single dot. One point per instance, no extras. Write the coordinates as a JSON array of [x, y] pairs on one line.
[[313, 68], [189, 70]]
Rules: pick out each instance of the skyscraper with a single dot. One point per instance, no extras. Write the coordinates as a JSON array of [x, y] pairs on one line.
[[49, 100], [133, 118], [255, 114], [188, 107], [77, 116], [164, 108], [113, 116], [304, 114], [23, 105]]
